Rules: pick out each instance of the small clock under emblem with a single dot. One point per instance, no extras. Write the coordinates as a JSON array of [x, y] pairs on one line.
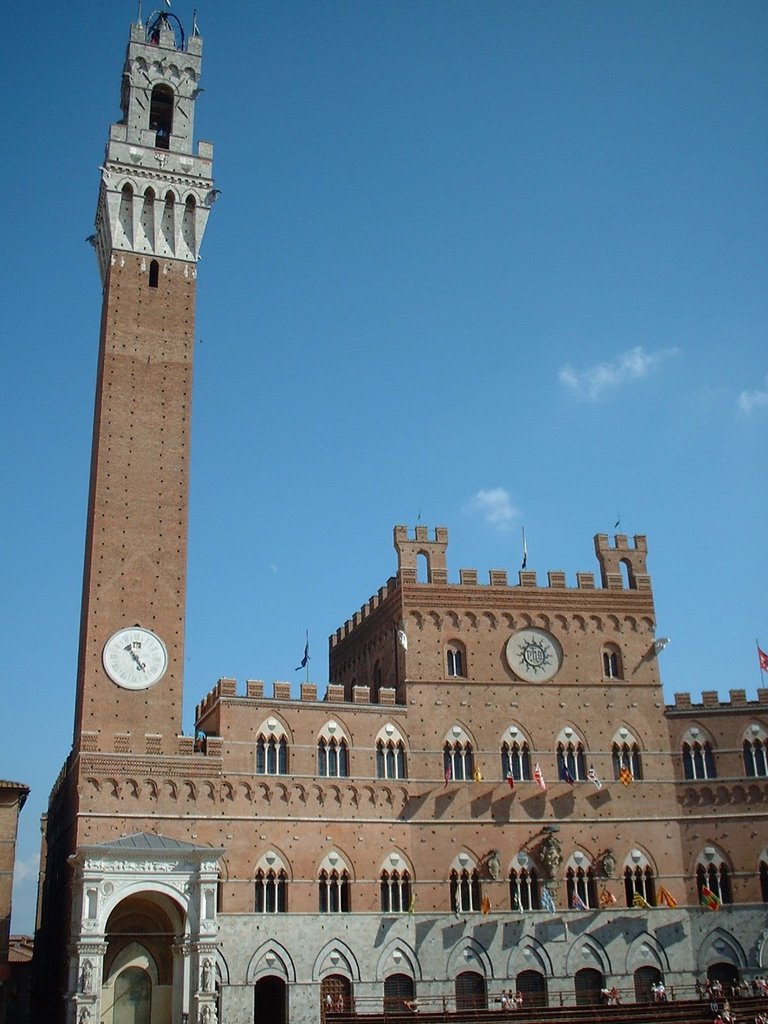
[[534, 655], [135, 658]]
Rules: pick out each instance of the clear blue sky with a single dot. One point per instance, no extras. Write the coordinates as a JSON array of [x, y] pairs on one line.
[[491, 263]]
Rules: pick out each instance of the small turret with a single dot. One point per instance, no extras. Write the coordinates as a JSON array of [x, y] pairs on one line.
[[612, 558], [432, 551]]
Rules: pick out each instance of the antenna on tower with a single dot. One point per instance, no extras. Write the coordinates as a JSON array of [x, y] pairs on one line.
[[138, 14]]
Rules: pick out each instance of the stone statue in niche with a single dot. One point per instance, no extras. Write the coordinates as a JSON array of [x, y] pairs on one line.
[[206, 976], [551, 857], [494, 867], [86, 977], [609, 863]]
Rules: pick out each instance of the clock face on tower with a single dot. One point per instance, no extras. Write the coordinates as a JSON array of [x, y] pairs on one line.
[[135, 658], [534, 655]]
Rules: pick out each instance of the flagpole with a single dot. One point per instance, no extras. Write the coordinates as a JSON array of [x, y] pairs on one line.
[[306, 648], [760, 663]]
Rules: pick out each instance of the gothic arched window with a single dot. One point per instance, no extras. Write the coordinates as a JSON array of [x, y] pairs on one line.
[[271, 755], [271, 888], [466, 895], [570, 760], [458, 762], [390, 759], [515, 761], [456, 659], [627, 755], [334, 892], [698, 761], [332, 760], [713, 875], [755, 764], [395, 888], [524, 889]]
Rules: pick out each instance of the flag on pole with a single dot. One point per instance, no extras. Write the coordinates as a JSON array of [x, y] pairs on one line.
[[516, 903], [305, 659], [448, 775], [762, 657], [476, 776], [592, 776], [577, 902], [607, 899], [709, 899], [485, 905], [412, 904], [567, 777], [640, 902], [510, 780], [402, 639], [625, 776], [538, 777], [665, 896], [547, 902], [525, 552]]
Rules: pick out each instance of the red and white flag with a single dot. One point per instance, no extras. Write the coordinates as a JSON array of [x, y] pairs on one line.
[[538, 776], [762, 657]]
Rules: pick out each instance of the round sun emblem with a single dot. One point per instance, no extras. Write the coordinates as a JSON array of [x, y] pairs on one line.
[[534, 655]]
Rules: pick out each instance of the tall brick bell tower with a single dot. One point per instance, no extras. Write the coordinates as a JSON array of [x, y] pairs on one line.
[[154, 200]]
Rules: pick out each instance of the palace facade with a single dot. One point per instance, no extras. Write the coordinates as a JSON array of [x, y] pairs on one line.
[[489, 794]]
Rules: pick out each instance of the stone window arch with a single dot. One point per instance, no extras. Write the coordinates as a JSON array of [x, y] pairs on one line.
[[581, 882], [625, 753], [334, 885], [613, 667], [154, 274], [271, 886], [713, 876], [332, 752], [271, 748], [396, 893], [466, 889], [524, 891], [570, 756], [639, 878], [458, 756], [515, 756], [456, 659], [755, 752], [390, 754], [698, 756]]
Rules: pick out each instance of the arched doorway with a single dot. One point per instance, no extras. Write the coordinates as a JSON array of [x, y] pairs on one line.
[[270, 1001], [726, 974], [398, 988], [588, 984], [533, 987], [139, 962], [645, 979], [470, 991], [133, 997], [335, 995]]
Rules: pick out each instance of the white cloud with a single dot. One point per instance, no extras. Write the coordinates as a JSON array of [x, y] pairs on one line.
[[596, 380], [495, 505], [751, 400]]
